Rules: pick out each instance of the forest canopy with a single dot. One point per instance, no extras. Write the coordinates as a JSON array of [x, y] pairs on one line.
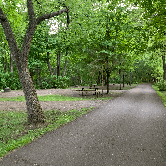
[[95, 37]]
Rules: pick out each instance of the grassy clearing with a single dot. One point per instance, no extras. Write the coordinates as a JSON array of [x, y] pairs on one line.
[[15, 132], [162, 94], [54, 98], [67, 98]]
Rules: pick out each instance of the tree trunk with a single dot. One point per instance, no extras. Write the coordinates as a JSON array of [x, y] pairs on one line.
[[68, 22], [11, 63], [123, 79], [105, 79], [120, 78], [55, 71], [164, 67], [102, 77], [34, 110], [108, 77], [99, 78], [130, 78], [48, 63], [58, 64], [5, 64], [64, 71]]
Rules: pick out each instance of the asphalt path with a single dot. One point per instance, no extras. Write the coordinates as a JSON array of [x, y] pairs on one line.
[[129, 130]]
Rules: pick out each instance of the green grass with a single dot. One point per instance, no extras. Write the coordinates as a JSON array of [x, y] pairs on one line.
[[19, 98], [54, 98], [15, 132], [162, 94], [65, 98]]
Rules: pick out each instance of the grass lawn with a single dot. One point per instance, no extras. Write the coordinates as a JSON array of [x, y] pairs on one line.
[[162, 94], [54, 98], [15, 132]]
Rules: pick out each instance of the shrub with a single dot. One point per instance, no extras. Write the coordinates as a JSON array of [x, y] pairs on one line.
[[2, 81], [53, 82], [10, 80], [62, 82], [161, 85]]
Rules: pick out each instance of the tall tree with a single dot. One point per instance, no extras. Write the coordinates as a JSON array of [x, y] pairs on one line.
[[155, 14], [58, 63], [34, 110]]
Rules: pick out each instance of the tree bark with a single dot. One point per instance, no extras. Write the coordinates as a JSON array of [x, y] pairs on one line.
[[48, 63], [58, 64], [68, 22], [130, 78], [34, 110], [108, 77], [64, 71], [102, 77], [123, 79], [99, 78], [120, 78], [5, 64], [11, 63], [164, 67]]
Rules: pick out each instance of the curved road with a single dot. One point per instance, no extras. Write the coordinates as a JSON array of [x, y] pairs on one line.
[[127, 131]]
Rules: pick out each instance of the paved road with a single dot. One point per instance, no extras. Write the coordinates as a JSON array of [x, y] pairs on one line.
[[127, 131]]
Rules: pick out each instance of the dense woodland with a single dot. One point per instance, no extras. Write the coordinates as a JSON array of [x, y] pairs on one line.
[[62, 43]]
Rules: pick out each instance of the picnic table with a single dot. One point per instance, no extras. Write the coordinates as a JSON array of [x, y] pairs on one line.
[[95, 89]]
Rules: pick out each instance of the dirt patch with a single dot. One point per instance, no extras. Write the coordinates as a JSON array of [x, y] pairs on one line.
[[57, 105]]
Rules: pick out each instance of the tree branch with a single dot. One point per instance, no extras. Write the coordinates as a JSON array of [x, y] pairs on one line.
[[50, 15], [38, 2], [3, 18], [30, 30], [68, 20], [31, 12], [9, 34]]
